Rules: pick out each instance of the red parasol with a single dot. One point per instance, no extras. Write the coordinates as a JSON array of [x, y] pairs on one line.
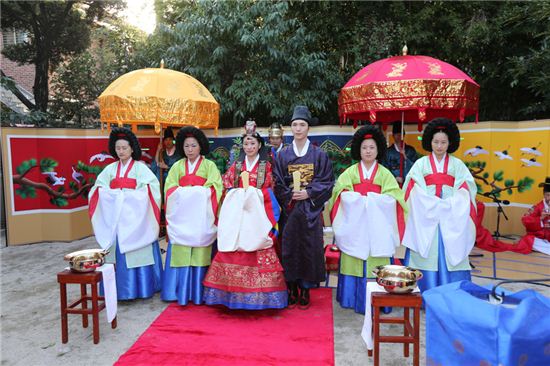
[[408, 88]]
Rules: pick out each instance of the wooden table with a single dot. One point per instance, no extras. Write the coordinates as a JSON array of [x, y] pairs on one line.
[[98, 302], [411, 331]]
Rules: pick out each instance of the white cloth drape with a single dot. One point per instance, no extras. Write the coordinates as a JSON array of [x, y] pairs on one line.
[[190, 218], [366, 225], [243, 223], [109, 285], [366, 332], [452, 215], [127, 215], [541, 245]]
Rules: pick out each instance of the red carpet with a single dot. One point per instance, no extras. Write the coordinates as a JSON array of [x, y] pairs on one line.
[[205, 335]]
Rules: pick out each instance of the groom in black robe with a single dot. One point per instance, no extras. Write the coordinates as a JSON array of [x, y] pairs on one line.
[[302, 225]]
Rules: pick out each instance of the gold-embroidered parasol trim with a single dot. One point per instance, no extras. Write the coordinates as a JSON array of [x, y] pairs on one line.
[[151, 110], [409, 94]]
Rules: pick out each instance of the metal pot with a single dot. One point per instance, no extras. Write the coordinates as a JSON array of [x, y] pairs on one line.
[[86, 260], [397, 279]]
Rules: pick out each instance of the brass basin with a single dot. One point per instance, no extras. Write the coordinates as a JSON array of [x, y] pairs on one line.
[[397, 279], [86, 260]]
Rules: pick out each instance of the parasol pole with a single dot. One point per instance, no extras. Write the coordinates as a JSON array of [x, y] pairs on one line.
[[402, 152], [159, 125], [402, 147]]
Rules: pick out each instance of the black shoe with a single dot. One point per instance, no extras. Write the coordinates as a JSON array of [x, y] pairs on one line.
[[303, 301], [292, 294]]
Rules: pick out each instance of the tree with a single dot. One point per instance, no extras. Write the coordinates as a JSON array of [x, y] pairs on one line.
[[352, 34], [490, 41], [255, 57], [57, 29], [82, 78], [502, 45], [171, 11], [532, 68]]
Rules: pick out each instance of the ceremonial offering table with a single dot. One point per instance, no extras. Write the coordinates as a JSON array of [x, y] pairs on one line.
[[411, 331], [83, 279]]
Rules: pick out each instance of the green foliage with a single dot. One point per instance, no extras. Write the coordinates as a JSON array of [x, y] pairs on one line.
[[34, 117], [219, 160], [91, 169], [25, 166], [59, 201], [57, 29], [260, 58], [477, 167], [525, 184], [488, 40], [476, 164], [340, 162], [47, 165], [255, 57], [242, 50], [73, 186], [479, 187], [531, 68], [26, 191], [79, 82]]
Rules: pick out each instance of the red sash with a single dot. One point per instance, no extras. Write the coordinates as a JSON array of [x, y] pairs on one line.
[[190, 178], [123, 182], [367, 185], [439, 179], [364, 187]]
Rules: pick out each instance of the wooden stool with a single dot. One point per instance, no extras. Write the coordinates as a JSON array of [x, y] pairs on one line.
[[83, 279], [411, 332]]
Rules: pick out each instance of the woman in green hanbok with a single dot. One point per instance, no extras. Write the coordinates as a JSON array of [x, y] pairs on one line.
[[367, 212]]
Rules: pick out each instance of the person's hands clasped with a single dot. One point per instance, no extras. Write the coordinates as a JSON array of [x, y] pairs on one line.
[[300, 195]]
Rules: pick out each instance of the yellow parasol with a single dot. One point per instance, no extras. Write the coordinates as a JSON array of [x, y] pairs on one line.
[[159, 97]]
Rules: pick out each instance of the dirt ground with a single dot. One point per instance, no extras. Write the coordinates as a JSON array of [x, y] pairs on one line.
[[30, 317]]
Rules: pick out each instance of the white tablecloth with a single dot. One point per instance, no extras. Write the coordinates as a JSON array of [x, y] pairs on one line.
[[109, 287], [366, 332]]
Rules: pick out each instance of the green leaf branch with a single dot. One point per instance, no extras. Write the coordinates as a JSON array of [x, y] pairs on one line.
[[498, 184], [58, 197]]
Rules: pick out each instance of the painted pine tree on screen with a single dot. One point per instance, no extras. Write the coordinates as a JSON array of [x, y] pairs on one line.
[[82, 178]]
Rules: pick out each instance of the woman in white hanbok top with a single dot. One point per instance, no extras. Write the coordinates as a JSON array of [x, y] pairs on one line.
[[124, 210], [440, 192]]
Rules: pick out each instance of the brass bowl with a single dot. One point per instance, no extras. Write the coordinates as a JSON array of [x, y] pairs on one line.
[[397, 279], [86, 260]]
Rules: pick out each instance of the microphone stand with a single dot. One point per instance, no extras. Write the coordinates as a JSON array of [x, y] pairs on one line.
[[500, 211]]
